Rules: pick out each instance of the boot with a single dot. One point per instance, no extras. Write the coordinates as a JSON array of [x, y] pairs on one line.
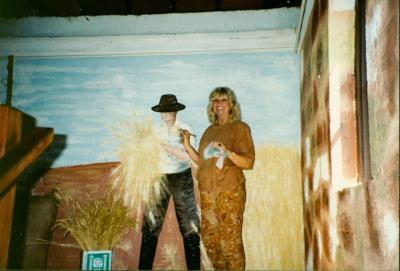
[[147, 251], [191, 244]]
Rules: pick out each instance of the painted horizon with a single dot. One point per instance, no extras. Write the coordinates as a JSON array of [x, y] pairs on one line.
[[82, 98]]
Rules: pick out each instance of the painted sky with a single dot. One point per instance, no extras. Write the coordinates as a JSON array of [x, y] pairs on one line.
[[3, 79], [83, 97]]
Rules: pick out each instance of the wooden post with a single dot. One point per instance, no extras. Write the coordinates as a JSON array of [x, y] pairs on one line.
[[6, 214], [16, 154], [10, 128], [10, 135]]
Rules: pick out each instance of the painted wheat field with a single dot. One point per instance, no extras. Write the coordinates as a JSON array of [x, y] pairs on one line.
[[273, 218]]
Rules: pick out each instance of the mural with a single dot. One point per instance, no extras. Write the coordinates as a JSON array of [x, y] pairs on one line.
[[82, 98], [3, 79]]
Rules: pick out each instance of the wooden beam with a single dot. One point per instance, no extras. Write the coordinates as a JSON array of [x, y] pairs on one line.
[[14, 162], [6, 214], [10, 128]]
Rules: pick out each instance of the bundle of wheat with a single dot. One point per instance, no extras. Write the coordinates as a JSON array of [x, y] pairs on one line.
[[138, 179], [97, 225]]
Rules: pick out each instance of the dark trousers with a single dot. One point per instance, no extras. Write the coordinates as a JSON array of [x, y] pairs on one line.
[[180, 188]]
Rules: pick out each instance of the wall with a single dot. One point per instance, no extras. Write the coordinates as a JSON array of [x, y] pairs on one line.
[[370, 214], [83, 98], [315, 143], [84, 84], [350, 222]]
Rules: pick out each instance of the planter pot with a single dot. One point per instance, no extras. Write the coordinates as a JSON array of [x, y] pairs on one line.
[[97, 260]]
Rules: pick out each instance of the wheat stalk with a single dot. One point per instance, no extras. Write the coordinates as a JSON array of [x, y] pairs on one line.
[[273, 223], [138, 179], [97, 225]]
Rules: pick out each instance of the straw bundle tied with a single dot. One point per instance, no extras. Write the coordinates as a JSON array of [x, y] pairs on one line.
[[138, 179], [97, 225]]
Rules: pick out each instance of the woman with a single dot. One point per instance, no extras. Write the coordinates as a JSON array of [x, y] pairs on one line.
[[226, 148]]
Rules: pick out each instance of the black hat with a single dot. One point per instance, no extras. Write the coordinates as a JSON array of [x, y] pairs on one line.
[[168, 103]]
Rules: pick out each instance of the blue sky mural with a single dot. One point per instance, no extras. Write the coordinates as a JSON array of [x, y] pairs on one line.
[[3, 79], [83, 97]]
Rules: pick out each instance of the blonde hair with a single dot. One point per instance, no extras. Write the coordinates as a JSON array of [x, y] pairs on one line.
[[234, 113]]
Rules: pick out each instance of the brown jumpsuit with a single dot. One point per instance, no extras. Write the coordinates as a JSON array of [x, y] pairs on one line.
[[223, 195]]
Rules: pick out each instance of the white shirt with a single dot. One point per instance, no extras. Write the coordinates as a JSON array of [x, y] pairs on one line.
[[169, 162]]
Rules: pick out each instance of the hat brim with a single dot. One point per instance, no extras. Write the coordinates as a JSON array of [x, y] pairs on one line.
[[168, 108]]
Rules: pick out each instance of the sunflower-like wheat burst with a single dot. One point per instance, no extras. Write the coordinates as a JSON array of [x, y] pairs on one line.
[[138, 179]]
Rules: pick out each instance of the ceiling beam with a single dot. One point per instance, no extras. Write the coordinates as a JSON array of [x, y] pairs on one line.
[[154, 34], [174, 23]]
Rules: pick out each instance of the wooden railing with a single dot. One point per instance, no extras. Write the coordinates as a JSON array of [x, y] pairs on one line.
[[17, 152]]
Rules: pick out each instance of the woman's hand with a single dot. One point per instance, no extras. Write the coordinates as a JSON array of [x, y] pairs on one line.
[[241, 161], [220, 147], [185, 140], [185, 137]]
